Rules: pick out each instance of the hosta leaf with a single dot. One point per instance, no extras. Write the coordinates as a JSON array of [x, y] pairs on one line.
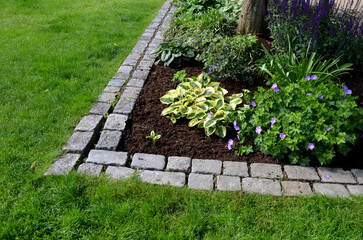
[[237, 95], [191, 114], [199, 114], [221, 131], [167, 99], [210, 130], [172, 119], [218, 103], [193, 122], [200, 99], [185, 110], [202, 106], [167, 111], [209, 122], [185, 86], [180, 92], [236, 101], [194, 84], [213, 84], [200, 77], [209, 91], [209, 103], [219, 115]]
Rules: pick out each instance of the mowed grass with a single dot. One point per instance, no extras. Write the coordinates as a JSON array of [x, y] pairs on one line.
[[56, 56]]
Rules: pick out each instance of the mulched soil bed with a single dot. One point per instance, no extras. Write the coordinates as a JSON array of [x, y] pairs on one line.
[[180, 140]]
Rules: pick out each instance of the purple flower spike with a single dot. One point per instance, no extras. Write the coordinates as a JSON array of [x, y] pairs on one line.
[[321, 96], [309, 94], [274, 85], [230, 143], [211, 116], [258, 129], [314, 77], [253, 103], [311, 146], [273, 120], [216, 59], [210, 70], [326, 176], [276, 89], [328, 128], [236, 127], [282, 135], [307, 78]]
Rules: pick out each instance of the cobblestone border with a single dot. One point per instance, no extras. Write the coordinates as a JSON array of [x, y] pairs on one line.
[[92, 153]]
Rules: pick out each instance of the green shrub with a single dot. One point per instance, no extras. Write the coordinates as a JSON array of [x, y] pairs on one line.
[[202, 101], [173, 53]]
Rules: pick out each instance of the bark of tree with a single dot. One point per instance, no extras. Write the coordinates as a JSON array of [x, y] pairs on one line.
[[252, 17]]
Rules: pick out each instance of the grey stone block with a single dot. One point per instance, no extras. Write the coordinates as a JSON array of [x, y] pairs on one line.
[[235, 169], [200, 181], [80, 142], [148, 161], [100, 108], [64, 164], [107, 97], [159, 35], [266, 170], [140, 74], [154, 25], [140, 46], [261, 186], [107, 157], [132, 59], [125, 106], [109, 140], [335, 175], [90, 169], [89, 123], [136, 83], [331, 190], [178, 164], [293, 188], [228, 183], [207, 166], [131, 92], [355, 189], [115, 82], [112, 89], [126, 70], [146, 36], [119, 172], [176, 179], [358, 173], [301, 173], [116, 122]]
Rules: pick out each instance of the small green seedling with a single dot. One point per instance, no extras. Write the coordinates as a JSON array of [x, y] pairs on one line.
[[153, 136]]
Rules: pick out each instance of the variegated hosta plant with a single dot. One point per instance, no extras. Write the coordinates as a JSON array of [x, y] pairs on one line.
[[203, 102]]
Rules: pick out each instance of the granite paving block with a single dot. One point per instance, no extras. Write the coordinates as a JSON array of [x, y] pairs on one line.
[[178, 164], [107, 157], [109, 140], [89, 123], [90, 169], [125, 106], [131, 92], [200, 181], [207, 166], [148, 161], [355, 189], [235, 169], [136, 83], [107, 97], [331, 190], [80, 142], [119, 172], [100, 108], [261, 186], [64, 164], [358, 173], [131, 59], [335, 175], [176, 179], [293, 188], [146, 36], [116, 122], [266, 170], [117, 83], [112, 89], [126, 70], [140, 74], [228, 183], [301, 173]]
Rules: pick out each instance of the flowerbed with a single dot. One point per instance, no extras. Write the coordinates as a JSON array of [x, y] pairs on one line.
[[306, 117]]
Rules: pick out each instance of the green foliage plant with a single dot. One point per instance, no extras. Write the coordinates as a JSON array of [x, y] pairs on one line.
[[153, 136], [171, 52], [202, 101], [301, 120]]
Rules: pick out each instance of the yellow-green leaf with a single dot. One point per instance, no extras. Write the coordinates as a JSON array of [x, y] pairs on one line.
[[210, 130], [209, 122], [221, 131], [199, 114], [209, 91], [166, 99], [219, 115], [219, 103], [193, 122], [202, 106]]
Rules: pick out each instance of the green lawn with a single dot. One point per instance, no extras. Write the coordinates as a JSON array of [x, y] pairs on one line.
[[56, 56]]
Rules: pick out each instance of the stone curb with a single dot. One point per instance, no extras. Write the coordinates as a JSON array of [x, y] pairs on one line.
[[179, 171]]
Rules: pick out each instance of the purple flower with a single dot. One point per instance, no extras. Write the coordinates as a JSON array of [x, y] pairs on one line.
[[328, 128], [345, 95], [348, 91], [273, 120], [253, 103], [236, 127], [258, 129], [211, 116], [216, 59], [227, 46], [196, 42], [210, 69], [308, 94], [272, 126], [341, 119], [276, 89], [314, 77], [230, 143], [311, 146], [345, 88], [274, 85], [307, 78], [216, 64], [346, 139], [282, 135], [321, 96], [326, 176], [238, 137]]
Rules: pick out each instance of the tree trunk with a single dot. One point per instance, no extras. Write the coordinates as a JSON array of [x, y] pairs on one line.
[[252, 17]]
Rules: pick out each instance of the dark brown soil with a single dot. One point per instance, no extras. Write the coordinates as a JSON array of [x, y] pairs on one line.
[[180, 140]]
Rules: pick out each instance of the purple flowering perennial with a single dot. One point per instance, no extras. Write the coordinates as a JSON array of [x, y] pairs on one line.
[[238, 137], [282, 135], [230, 143], [274, 85], [307, 78], [308, 94], [216, 59], [236, 127], [321, 96], [215, 64], [210, 70], [311, 146], [227, 46], [276, 89], [273, 120], [211, 116], [258, 129], [346, 139], [328, 128], [253, 103], [314, 77]]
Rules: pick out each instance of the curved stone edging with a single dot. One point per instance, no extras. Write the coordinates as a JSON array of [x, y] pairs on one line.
[[177, 171]]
